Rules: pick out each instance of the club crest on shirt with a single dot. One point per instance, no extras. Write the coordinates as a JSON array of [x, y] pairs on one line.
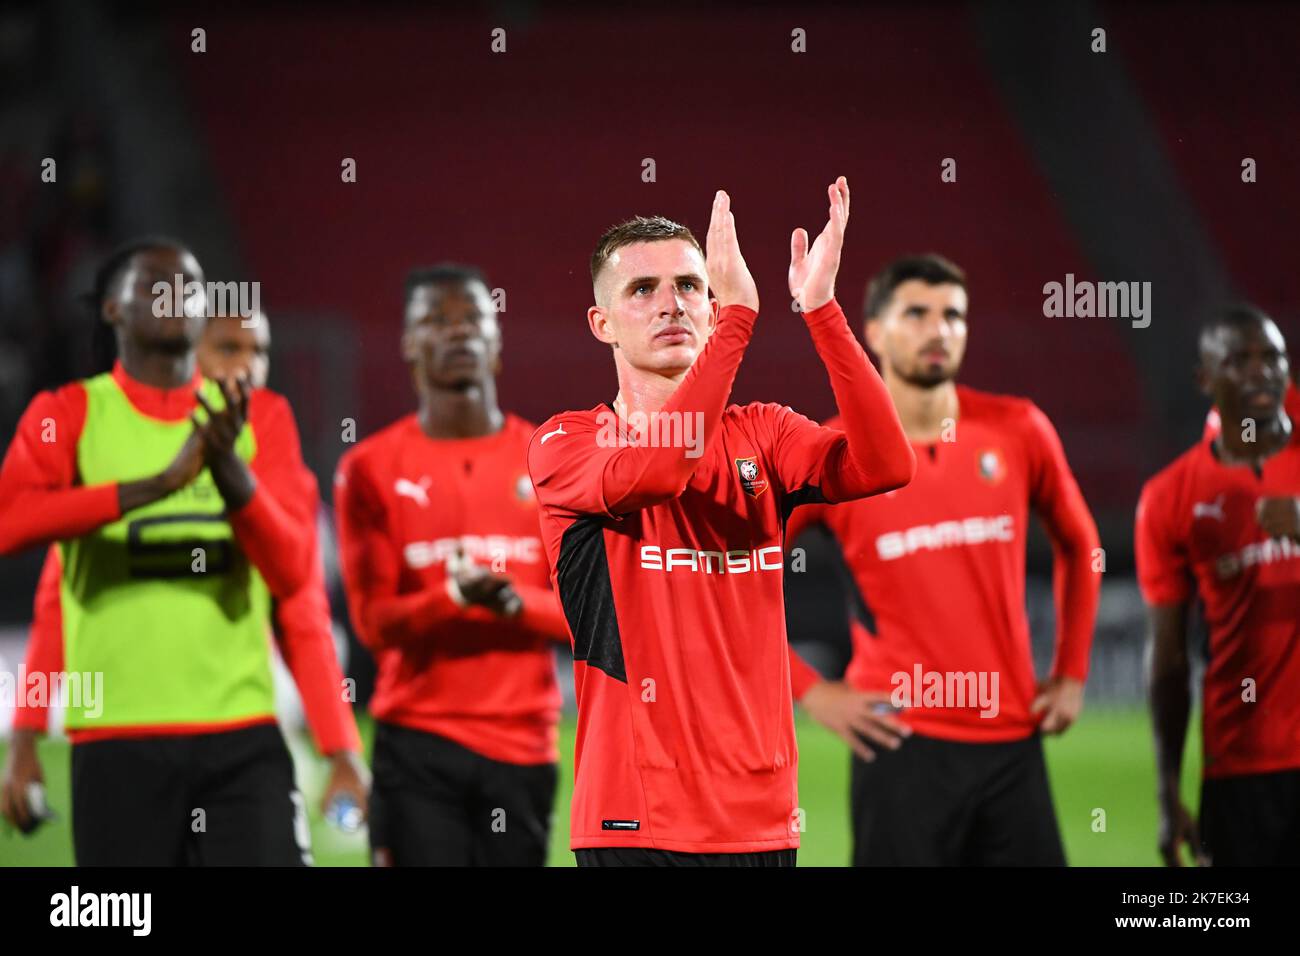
[[524, 488], [751, 476], [992, 468]]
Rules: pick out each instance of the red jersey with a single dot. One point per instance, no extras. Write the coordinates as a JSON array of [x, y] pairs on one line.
[[1197, 534], [942, 565], [405, 504], [669, 569]]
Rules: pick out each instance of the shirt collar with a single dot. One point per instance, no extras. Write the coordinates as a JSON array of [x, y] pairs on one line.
[[168, 404]]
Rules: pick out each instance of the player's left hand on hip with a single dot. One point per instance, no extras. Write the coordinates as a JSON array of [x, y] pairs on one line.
[[813, 271], [1059, 700]]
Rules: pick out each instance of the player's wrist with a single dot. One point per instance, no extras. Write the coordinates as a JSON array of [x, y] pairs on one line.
[[748, 303], [1063, 676], [812, 693], [823, 306], [738, 317], [345, 758], [137, 494], [233, 478], [162, 484], [1168, 792]]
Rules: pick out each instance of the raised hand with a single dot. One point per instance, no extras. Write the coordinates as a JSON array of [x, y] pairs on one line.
[[729, 278], [224, 425], [231, 475], [812, 271]]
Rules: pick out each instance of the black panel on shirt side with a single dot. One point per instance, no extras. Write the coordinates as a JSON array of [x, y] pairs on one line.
[[807, 495], [587, 597]]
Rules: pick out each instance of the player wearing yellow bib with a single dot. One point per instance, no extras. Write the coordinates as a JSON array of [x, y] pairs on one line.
[[180, 506]]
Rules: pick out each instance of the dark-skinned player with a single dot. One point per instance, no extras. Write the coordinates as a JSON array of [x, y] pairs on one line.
[[1221, 525], [180, 506], [447, 584], [231, 345]]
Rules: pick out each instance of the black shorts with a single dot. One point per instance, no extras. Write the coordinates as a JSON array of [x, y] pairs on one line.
[[638, 856], [944, 803], [436, 803], [1252, 819], [218, 799]]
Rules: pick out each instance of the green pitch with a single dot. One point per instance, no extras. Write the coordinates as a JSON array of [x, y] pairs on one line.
[[1104, 765]]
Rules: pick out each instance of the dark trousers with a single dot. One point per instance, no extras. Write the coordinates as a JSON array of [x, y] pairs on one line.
[[943, 803], [638, 856], [218, 799], [436, 803], [1252, 819]]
